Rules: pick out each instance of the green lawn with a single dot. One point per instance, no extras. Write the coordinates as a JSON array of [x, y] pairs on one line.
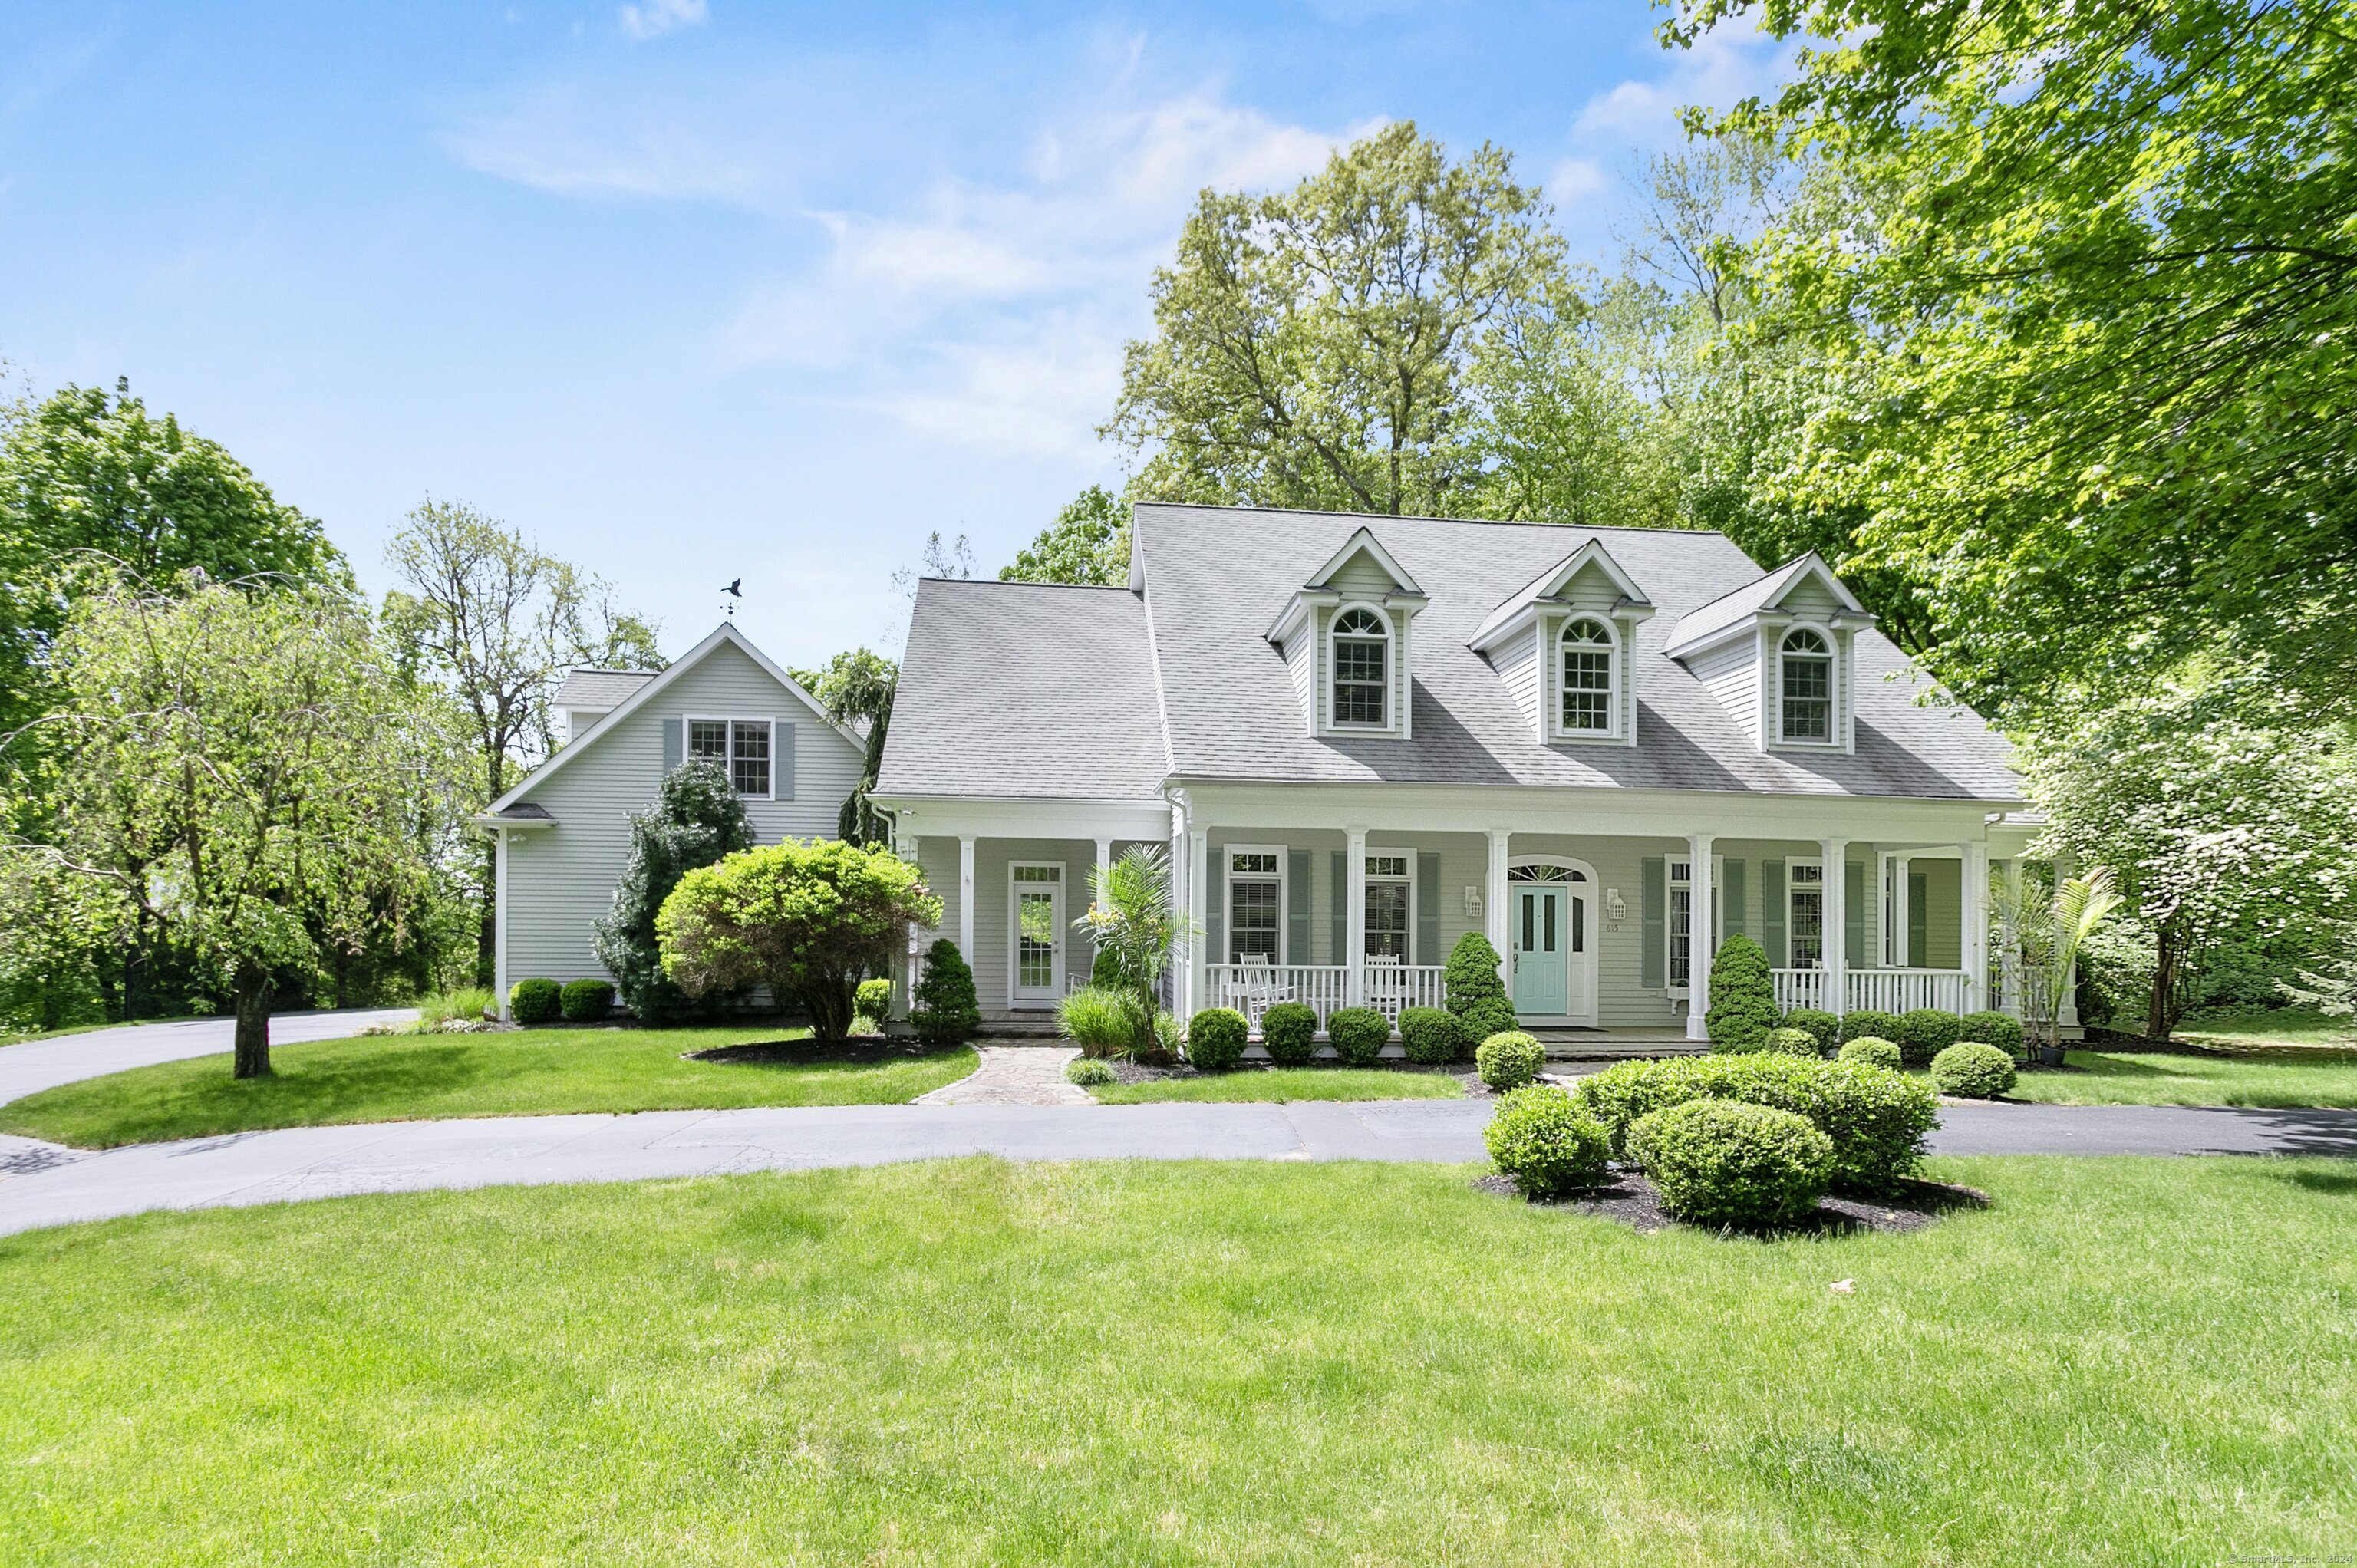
[[2169, 1078], [398, 1077], [1283, 1083], [2124, 1360], [2283, 1027]]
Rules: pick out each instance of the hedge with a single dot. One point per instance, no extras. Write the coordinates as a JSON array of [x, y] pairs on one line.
[[586, 1001], [1540, 1139], [1925, 1032], [1288, 1032], [1731, 1162], [1876, 1118], [1358, 1035], [1973, 1069], [1509, 1059], [1215, 1038], [1431, 1036], [535, 1001]]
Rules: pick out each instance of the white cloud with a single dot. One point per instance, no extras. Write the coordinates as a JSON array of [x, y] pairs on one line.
[[1575, 179], [656, 18], [1722, 68]]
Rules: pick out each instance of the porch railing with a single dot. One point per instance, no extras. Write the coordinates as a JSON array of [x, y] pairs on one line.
[[1876, 990], [1251, 989], [1393, 986]]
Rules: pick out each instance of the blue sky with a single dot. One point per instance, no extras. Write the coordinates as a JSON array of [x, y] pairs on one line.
[[693, 289]]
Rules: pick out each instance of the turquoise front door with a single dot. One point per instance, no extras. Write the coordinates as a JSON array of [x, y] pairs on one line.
[[1540, 938]]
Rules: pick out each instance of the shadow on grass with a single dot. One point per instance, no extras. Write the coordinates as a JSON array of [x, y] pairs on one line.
[[2337, 1184]]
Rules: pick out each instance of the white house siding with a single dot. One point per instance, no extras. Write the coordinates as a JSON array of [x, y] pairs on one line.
[[1731, 674], [562, 879], [1517, 665], [993, 955]]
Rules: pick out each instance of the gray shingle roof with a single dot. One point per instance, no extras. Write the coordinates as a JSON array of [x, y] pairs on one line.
[[1031, 690], [1026, 689], [600, 691]]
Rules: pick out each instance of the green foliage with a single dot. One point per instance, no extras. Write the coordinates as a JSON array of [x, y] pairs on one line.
[[855, 689], [1866, 1022], [588, 1001], [1474, 990], [535, 1001], [1731, 1163], [1130, 917], [1089, 1072], [1539, 1137], [1509, 1059], [466, 1006], [1925, 1032], [1877, 1118], [1793, 1043], [808, 917], [1999, 1029], [1973, 1069], [943, 1009], [1087, 544], [1215, 1038], [1288, 1034], [1822, 1027], [873, 999], [1431, 1036], [1874, 1052], [1358, 1035], [1742, 997], [2048, 928], [1107, 1020], [699, 819]]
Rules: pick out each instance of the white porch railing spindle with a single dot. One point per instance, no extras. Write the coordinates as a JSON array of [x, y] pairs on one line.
[[1876, 990], [1253, 989]]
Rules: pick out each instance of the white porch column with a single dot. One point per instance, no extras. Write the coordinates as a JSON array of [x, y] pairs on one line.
[[1902, 911], [904, 985], [500, 981], [2008, 971], [1835, 902], [1701, 897], [1104, 864], [1195, 996], [965, 898], [1354, 977], [1976, 918], [1495, 922]]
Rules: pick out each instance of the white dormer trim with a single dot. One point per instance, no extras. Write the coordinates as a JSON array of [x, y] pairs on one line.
[[1729, 617], [1364, 541], [1303, 634], [1522, 641]]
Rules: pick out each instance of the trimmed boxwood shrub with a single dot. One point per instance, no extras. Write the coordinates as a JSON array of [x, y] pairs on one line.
[[1288, 1032], [1431, 1036], [586, 1001], [1358, 1035], [1509, 1059], [1215, 1038], [1731, 1163], [1973, 1069], [1088, 1071], [1742, 997], [1991, 1028], [944, 1008], [1822, 1025], [873, 998], [1866, 1049], [1793, 1043], [1925, 1032], [1472, 989], [1864, 1022], [1540, 1139], [535, 1001]]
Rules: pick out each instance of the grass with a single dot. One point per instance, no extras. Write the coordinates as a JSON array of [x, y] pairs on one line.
[[1283, 1083], [401, 1077], [2170, 1078], [978, 1362], [2280, 1028]]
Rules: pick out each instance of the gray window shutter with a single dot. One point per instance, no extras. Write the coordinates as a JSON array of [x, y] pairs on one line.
[[1296, 906], [1653, 910], [781, 760], [1730, 898], [674, 744], [1772, 911], [1215, 903], [1919, 920], [1428, 907], [1853, 914], [1340, 888]]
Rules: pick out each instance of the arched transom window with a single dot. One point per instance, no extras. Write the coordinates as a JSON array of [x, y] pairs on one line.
[[1363, 667], [1807, 686], [1587, 684]]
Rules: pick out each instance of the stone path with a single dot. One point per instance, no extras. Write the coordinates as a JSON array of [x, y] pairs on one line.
[[1014, 1075]]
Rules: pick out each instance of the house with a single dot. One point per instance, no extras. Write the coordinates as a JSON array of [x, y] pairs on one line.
[[563, 833], [1361, 737]]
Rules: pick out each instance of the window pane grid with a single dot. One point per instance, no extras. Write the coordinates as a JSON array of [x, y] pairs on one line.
[[1251, 922], [1587, 676], [1387, 920]]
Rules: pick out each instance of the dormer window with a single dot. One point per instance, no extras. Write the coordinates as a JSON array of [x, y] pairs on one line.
[[1363, 667], [1589, 692], [1807, 674]]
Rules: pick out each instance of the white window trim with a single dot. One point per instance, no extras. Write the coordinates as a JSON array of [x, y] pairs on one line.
[[1281, 876], [1407, 877], [1559, 643], [687, 753], [1836, 689], [1062, 981], [1391, 669], [1791, 886], [1717, 908]]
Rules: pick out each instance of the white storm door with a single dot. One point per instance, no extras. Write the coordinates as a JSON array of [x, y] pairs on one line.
[[1036, 927]]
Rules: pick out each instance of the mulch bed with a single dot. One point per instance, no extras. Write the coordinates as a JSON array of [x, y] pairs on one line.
[[1637, 1203], [862, 1050], [1126, 1071]]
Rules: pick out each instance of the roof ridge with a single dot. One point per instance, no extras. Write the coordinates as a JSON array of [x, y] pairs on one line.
[[1430, 516], [1026, 583]]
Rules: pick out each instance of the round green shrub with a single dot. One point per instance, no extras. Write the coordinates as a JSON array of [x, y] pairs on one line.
[[943, 1009], [1540, 1139], [1431, 1036], [1088, 1072], [1793, 1043], [1822, 1025], [1626, 1091], [1288, 1032], [586, 1001], [1991, 1028], [873, 998], [1729, 1163], [1215, 1038], [1925, 1032], [1474, 990], [1973, 1069], [535, 1001], [1858, 1024], [1509, 1059], [1742, 997], [1358, 1035], [1883, 1053]]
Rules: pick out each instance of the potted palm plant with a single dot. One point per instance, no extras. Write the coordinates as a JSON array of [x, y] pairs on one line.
[[2046, 928]]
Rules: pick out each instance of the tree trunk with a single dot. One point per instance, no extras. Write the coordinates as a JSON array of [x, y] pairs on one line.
[[253, 1048], [2171, 954], [487, 937]]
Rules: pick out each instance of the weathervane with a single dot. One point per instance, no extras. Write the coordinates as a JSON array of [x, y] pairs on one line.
[[735, 590]]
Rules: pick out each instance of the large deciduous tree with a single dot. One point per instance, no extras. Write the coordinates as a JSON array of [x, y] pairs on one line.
[[1087, 544], [856, 688]]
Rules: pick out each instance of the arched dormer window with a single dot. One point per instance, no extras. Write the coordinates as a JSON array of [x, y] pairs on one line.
[[1590, 694], [1806, 682], [1363, 667]]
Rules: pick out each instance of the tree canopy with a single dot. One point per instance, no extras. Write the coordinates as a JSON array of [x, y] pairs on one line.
[[1087, 544]]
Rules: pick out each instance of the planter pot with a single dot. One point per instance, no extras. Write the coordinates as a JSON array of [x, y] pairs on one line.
[[2050, 1056]]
